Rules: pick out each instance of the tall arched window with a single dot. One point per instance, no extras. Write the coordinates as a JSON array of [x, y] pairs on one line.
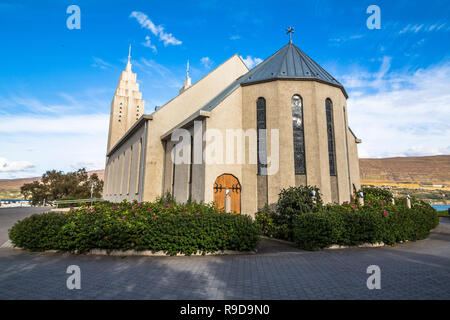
[[298, 133], [261, 135], [330, 134]]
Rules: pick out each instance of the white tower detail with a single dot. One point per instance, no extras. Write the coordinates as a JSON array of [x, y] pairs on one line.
[[127, 105], [187, 82]]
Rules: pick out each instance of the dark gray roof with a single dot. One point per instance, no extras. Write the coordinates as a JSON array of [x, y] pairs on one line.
[[288, 63]]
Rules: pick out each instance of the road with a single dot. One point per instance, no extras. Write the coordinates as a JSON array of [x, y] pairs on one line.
[[413, 270], [9, 216]]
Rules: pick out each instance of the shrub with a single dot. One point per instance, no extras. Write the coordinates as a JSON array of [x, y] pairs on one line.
[[270, 226], [359, 224], [354, 225], [157, 226], [295, 201], [39, 231], [314, 231], [265, 222], [376, 195]]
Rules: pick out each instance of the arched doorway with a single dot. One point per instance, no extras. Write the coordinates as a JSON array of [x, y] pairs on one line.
[[227, 183]]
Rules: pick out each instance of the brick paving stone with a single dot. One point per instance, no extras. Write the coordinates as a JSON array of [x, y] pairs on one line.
[[413, 270]]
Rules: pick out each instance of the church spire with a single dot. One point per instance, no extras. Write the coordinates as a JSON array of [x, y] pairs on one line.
[[187, 82], [187, 69], [129, 57]]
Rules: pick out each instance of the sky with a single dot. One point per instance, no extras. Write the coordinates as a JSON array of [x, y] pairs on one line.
[[56, 83]]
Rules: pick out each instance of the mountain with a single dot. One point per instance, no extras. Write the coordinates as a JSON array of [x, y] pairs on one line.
[[13, 185], [412, 171], [429, 170]]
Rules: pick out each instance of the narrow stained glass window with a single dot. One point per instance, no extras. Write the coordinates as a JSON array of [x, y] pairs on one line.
[[298, 133], [261, 138], [330, 134]]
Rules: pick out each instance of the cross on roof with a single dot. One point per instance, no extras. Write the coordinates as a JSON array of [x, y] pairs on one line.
[[290, 31]]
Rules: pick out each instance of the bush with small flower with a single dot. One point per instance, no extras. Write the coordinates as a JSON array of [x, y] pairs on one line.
[[292, 202], [271, 225], [302, 218], [378, 221], [163, 225]]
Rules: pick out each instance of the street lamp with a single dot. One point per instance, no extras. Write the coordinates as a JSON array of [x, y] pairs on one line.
[[313, 195], [93, 185], [361, 198], [408, 201]]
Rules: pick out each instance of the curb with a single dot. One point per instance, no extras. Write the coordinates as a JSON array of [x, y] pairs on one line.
[[144, 253], [364, 245], [334, 246]]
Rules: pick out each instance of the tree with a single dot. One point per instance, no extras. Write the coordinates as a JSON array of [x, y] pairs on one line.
[[57, 185]]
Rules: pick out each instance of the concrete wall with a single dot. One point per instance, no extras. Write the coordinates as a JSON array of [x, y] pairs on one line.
[[278, 95], [354, 161], [177, 178], [177, 110], [122, 171], [226, 116]]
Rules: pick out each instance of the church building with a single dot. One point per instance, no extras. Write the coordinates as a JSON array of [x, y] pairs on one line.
[[246, 134]]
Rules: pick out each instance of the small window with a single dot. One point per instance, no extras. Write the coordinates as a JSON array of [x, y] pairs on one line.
[[261, 136], [298, 134], [330, 135]]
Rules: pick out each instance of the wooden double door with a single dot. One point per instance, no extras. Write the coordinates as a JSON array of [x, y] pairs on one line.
[[227, 183]]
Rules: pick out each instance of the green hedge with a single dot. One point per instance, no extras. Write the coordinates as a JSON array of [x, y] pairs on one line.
[[350, 224], [39, 231], [376, 195], [157, 226], [292, 202]]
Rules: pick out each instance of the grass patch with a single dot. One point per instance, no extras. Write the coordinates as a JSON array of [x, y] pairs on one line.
[[443, 213]]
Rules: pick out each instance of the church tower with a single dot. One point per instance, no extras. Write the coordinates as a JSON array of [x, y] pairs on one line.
[[126, 107]]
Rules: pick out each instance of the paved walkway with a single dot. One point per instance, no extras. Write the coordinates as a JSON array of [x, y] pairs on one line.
[[9, 216], [416, 270]]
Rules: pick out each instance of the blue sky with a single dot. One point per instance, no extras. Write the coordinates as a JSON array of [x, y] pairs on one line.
[[56, 84]]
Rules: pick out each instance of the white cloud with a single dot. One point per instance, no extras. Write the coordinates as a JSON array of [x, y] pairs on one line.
[[400, 113], [148, 44], [88, 165], [415, 28], [340, 40], [165, 77], [82, 124], [251, 62], [235, 37], [7, 166], [146, 23], [12, 103], [99, 63], [63, 143], [19, 103], [206, 62]]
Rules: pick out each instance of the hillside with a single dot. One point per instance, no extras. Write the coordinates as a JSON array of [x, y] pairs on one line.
[[12, 186], [430, 170], [406, 172]]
